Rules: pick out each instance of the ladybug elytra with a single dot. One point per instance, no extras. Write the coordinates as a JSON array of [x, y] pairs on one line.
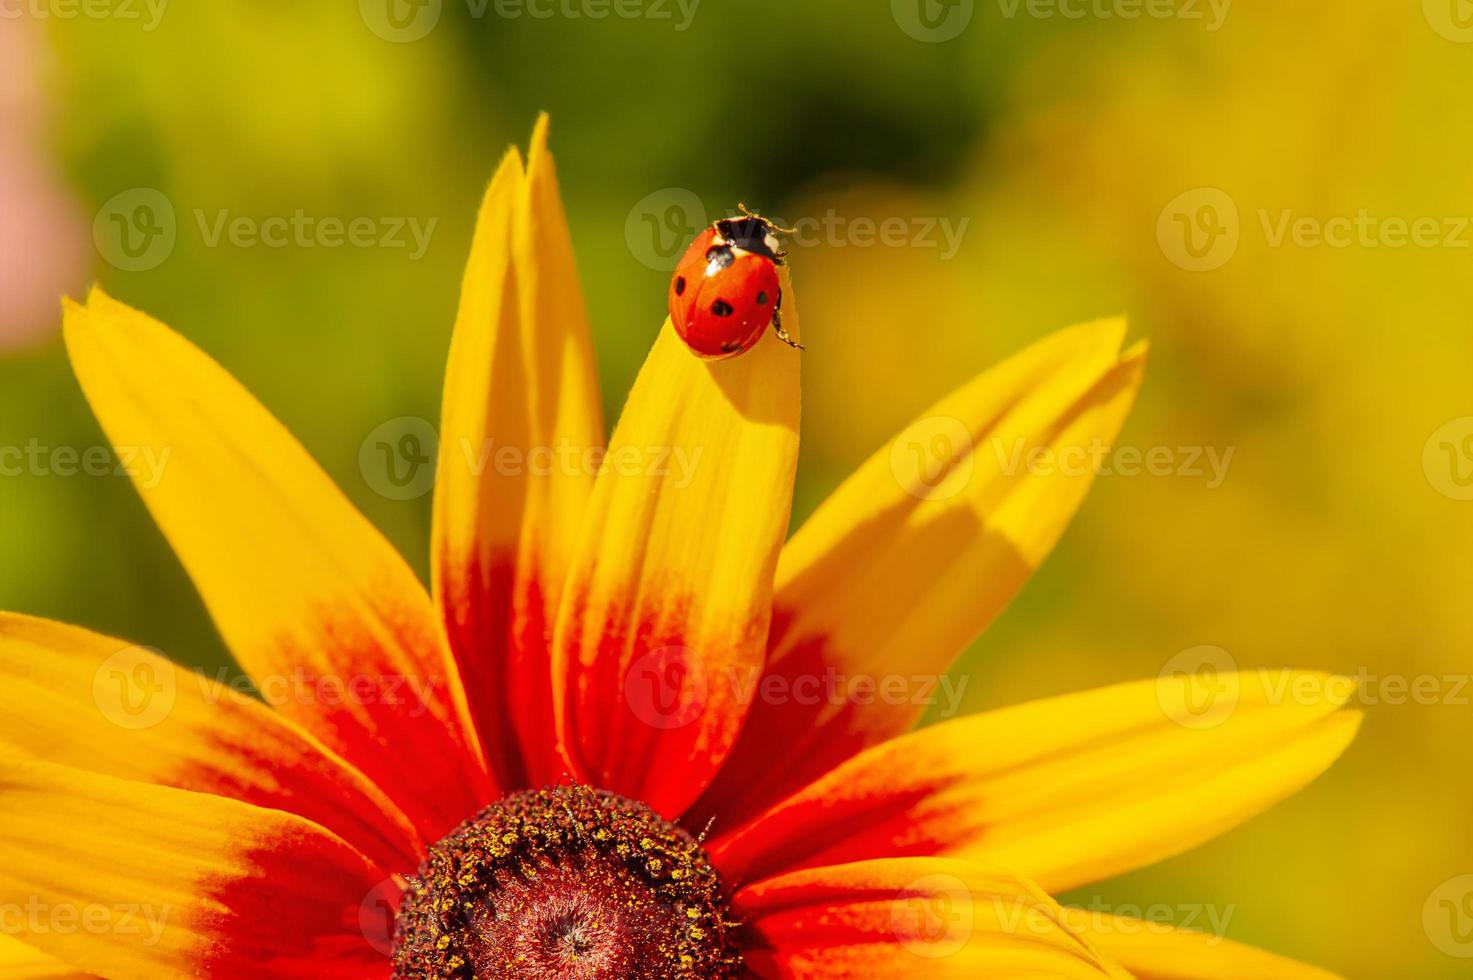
[[726, 290]]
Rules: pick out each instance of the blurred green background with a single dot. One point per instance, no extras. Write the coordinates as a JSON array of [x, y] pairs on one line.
[[1155, 165]]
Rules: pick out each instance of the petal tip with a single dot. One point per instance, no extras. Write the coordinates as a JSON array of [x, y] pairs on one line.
[[541, 132]]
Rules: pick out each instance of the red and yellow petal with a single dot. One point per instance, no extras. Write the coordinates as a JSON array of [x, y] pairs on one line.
[[326, 617], [87, 701], [1067, 790], [920, 549], [664, 621], [520, 432], [19, 961], [1156, 951], [910, 917], [138, 882]]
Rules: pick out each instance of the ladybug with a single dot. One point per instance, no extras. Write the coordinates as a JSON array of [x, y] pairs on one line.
[[726, 291]]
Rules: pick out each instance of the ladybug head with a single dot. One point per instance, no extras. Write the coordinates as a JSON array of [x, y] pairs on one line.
[[751, 234]]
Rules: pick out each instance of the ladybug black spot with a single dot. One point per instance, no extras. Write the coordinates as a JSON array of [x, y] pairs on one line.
[[680, 285], [762, 299], [722, 308]]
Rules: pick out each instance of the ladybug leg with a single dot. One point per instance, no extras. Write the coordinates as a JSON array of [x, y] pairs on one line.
[[783, 335]]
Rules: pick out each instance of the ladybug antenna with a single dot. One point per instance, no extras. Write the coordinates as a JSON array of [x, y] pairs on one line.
[[775, 226]]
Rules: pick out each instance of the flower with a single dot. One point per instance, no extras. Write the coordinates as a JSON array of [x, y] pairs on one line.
[[629, 732], [42, 239]]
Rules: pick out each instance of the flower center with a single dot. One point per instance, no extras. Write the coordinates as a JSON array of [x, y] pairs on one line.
[[570, 883]]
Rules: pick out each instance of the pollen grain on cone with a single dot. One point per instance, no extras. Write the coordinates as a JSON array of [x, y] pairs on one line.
[[566, 882]]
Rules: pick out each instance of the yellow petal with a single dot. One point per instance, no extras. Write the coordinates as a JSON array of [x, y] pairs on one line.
[[312, 600], [1067, 790], [520, 428], [911, 917], [917, 552], [83, 700], [19, 961], [1156, 951], [666, 611], [137, 882]]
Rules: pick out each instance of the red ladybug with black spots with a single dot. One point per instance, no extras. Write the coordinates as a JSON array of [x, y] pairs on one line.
[[726, 291]]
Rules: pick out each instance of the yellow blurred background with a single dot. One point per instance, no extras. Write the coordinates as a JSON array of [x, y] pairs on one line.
[[1278, 195]]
